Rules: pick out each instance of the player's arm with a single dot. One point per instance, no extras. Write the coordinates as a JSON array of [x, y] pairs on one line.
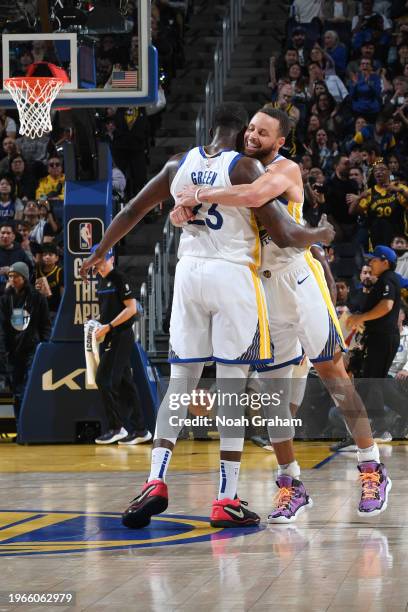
[[152, 194], [283, 231], [265, 188], [319, 254]]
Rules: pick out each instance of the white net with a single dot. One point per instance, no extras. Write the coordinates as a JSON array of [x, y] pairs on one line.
[[33, 97]]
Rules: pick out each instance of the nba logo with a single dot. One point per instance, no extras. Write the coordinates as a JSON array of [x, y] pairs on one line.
[[85, 236]]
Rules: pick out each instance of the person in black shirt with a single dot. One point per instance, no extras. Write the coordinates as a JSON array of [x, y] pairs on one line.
[[358, 296], [49, 277], [337, 208], [114, 378], [24, 322], [380, 317]]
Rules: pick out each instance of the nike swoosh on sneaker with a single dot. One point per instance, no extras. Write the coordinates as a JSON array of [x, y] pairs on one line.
[[303, 280], [145, 493], [239, 514]]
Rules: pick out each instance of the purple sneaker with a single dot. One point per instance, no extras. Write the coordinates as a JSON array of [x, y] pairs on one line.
[[290, 501], [376, 487]]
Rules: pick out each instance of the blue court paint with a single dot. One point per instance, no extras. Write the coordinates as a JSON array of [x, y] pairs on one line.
[[326, 460], [98, 531]]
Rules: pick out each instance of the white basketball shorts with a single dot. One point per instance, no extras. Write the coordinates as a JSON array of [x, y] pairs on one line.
[[219, 314], [302, 317]]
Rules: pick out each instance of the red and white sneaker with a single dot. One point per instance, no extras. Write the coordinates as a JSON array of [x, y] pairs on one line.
[[232, 513], [153, 499]]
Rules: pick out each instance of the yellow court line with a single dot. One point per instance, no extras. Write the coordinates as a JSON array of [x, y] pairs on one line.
[[37, 523]]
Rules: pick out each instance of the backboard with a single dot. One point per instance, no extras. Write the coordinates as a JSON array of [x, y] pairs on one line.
[[104, 46]]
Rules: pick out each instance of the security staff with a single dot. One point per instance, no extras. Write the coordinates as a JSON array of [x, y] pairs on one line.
[[118, 308], [380, 316]]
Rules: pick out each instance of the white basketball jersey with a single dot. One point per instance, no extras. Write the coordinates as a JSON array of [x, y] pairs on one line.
[[274, 257], [218, 232]]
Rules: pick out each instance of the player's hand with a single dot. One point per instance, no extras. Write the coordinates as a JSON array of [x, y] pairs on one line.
[[101, 333], [180, 215], [354, 321], [88, 265], [187, 197], [402, 375], [327, 231]]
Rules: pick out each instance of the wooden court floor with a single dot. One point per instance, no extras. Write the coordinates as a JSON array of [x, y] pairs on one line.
[[60, 532]]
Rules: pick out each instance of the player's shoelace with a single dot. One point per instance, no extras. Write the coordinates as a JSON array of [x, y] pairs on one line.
[[283, 498], [371, 483]]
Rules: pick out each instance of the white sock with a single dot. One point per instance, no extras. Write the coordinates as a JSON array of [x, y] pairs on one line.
[[290, 469], [229, 472], [371, 453], [159, 463]]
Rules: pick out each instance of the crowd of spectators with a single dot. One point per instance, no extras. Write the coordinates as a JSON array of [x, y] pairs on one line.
[[342, 77]]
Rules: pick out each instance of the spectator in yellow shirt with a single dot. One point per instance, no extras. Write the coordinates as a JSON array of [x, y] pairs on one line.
[[53, 185]]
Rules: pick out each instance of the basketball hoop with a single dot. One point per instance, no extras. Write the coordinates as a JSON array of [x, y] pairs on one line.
[[33, 97]]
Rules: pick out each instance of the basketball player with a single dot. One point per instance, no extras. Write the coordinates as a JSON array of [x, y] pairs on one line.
[[216, 288], [301, 314]]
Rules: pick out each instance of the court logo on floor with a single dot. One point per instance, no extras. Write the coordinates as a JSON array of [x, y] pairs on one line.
[[35, 532]]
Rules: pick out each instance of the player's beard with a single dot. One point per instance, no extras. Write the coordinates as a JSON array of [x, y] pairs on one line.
[[264, 155]]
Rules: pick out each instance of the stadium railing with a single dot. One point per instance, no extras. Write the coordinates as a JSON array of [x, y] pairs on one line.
[[216, 79]]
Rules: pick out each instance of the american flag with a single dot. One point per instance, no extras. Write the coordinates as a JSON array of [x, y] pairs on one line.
[[124, 78]]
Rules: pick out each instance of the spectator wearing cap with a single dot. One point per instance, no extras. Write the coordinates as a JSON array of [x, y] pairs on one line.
[[302, 46], [10, 252], [384, 206], [380, 318], [118, 308], [24, 323], [49, 277]]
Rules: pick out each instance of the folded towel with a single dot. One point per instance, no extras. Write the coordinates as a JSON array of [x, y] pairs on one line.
[[91, 350]]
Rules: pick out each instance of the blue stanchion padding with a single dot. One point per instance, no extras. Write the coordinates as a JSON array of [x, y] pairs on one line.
[[57, 398]]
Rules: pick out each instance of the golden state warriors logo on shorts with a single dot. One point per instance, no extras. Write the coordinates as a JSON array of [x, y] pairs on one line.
[[36, 532]]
